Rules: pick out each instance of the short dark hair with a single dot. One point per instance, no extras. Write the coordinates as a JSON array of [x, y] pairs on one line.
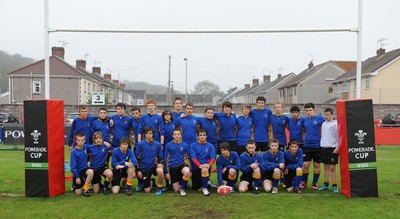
[[292, 141], [148, 129], [294, 109], [309, 105], [273, 140], [250, 142], [177, 98], [209, 108], [135, 109], [102, 109], [189, 104], [328, 110], [227, 104], [261, 98], [120, 105], [80, 134], [202, 131], [124, 140], [224, 146]]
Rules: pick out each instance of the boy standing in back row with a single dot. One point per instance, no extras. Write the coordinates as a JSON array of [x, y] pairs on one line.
[[329, 154]]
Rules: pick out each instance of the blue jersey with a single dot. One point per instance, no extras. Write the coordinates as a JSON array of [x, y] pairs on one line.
[[78, 160], [312, 137], [272, 161], [148, 152], [121, 128], [119, 158], [154, 121], [135, 127], [168, 129], [210, 125], [81, 126], [102, 126], [278, 127], [244, 130], [188, 125], [98, 155], [176, 115], [247, 159], [202, 152], [293, 161], [296, 129], [176, 154], [226, 126], [233, 161], [261, 122]]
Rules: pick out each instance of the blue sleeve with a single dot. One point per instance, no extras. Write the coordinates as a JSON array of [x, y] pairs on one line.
[[219, 171], [300, 161], [281, 158], [140, 126], [71, 133], [73, 164], [244, 167], [192, 152], [138, 150], [166, 151], [161, 125], [133, 158], [160, 154], [212, 152], [236, 162], [264, 164]]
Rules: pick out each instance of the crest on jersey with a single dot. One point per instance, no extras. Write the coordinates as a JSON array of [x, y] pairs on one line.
[[181, 149], [315, 122]]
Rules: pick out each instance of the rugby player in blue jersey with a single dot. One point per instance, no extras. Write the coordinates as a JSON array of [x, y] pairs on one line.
[[273, 164], [228, 166], [151, 118], [250, 163], [174, 163], [260, 117], [293, 167], [124, 165], [244, 124], [312, 145], [82, 174], [202, 155], [149, 152]]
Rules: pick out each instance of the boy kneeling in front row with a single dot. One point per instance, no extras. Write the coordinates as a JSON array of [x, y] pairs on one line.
[[293, 167], [82, 174], [124, 163]]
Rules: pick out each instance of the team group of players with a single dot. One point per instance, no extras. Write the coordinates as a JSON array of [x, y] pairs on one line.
[[177, 146]]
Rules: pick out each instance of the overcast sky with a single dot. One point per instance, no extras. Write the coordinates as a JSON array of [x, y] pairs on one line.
[[228, 60]]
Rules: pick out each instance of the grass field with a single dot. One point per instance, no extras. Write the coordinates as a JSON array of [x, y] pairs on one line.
[[310, 204]]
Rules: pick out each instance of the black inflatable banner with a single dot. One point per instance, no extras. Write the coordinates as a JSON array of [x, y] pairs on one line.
[[357, 148]]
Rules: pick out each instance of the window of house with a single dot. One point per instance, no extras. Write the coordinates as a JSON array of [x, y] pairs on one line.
[[84, 86], [366, 83], [294, 90], [280, 93], [37, 88], [336, 88], [346, 86], [284, 93]]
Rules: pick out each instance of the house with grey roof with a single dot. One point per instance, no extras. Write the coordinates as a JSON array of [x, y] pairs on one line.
[[380, 79], [314, 83], [269, 89], [73, 84]]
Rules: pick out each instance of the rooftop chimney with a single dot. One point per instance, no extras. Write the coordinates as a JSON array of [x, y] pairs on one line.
[[267, 78], [279, 75], [80, 63], [115, 81], [310, 65], [255, 82], [380, 52], [58, 51], [246, 85], [122, 86], [98, 71], [107, 76]]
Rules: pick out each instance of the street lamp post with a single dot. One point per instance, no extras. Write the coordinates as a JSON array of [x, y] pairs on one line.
[[186, 92]]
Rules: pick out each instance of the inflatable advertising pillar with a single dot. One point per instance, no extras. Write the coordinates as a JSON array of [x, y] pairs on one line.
[[357, 148], [44, 148]]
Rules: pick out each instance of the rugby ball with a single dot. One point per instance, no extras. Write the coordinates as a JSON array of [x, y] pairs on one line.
[[224, 190]]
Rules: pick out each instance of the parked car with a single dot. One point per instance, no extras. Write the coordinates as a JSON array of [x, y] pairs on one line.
[[392, 118], [71, 118], [377, 121], [8, 118]]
